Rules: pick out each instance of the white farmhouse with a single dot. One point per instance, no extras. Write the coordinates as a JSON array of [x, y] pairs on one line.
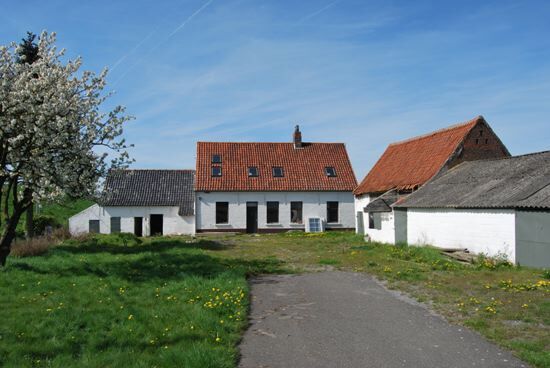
[[495, 207], [142, 202], [407, 165], [273, 187]]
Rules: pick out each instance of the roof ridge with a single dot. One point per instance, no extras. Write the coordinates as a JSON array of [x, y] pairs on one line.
[[508, 157], [438, 131], [269, 142], [182, 170]]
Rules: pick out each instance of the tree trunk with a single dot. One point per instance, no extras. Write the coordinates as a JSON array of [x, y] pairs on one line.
[[29, 223], [8, 235]]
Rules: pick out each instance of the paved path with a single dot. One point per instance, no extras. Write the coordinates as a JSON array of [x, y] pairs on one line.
[[339, 319]]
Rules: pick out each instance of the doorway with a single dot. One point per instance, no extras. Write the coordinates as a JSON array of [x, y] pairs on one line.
[[251, 217], [156, 222], [138, 226]]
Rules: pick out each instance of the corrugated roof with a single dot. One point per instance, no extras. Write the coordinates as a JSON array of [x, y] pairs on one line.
[[514, 182], [410, 163], [151, 188], [382, 203], [304, 168]]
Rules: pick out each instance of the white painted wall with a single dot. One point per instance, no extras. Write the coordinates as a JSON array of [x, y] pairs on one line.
[[314, 205], [387, 232], [360, 203], [481, 231], [173, 224]]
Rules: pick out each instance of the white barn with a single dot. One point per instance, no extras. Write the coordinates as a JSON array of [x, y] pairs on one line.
[[496, 207], [273, 187], [407, 165], [142, 202]]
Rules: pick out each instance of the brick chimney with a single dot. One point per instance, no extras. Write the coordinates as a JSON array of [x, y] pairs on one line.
[[297, 137]]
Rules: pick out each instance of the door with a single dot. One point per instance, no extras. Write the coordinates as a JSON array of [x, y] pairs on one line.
[[360, 223], [156, 225], [138, 226], [251, 217]]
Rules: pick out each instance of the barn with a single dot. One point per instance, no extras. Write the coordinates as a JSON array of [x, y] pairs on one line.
[[407, 165], [496, 207], [142, 202]]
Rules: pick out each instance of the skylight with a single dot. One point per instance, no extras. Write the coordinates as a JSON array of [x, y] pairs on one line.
[[329, 171], [216, 159], [278, 172], [252, 171], [216, 171]]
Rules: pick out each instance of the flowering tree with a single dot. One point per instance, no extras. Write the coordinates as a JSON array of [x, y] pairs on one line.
[[54, 140]]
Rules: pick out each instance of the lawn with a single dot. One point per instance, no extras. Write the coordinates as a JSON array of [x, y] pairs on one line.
[[116, 301]]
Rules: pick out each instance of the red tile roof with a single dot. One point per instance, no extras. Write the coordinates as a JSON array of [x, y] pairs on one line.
[[304, 168], [412, 162]]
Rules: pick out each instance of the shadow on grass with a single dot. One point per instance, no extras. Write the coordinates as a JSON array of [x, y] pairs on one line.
[[159, 259]]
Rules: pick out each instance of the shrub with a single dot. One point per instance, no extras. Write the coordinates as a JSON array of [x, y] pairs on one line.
[[32, 247], [41, 222], [493, 263]]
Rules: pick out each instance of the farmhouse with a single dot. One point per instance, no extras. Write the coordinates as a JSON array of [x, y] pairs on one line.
[[143, 202], [496, 207], [271, 187], [407, 165]]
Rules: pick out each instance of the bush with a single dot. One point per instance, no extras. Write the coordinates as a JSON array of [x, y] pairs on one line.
[[41, 222], [32, 247]]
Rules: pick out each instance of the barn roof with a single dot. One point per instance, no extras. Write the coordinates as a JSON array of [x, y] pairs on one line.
[[514, 182], [304, 169], [382, 203], [410, 163], [151, 188]]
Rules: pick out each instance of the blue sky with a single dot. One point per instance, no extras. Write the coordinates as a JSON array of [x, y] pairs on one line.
[[361, 72]]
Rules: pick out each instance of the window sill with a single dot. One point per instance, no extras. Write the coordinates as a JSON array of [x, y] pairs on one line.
[[334, 224], [273, 224], [296, 224], [224, 225]]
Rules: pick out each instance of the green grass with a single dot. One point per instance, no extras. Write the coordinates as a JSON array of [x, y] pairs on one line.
[[166, 283], [116, 301]]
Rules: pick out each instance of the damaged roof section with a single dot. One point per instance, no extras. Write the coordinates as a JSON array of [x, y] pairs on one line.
[[383, 203], [514, 182], [151, 188]]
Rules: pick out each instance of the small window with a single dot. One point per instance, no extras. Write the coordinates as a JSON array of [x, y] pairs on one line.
[[481, 133], [329, 171], [278, 172], [375, 220], [216, 171], [477, 141], [332, 211], [216, 159], [222, 212], [252, 171], [486, 140], [272, 212], [296, 212], [93, 226], [115, 225]]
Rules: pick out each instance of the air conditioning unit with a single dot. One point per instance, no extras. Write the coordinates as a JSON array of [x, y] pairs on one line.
[[315, 225]]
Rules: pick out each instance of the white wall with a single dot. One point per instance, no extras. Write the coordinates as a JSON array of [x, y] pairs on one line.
[[173, 224], [360, 203], [481, 231], [314, 205], [387, 232]]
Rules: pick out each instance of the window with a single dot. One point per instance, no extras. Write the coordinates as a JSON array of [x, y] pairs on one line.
[[375, 220], [278, 172], [481, 133], [115, 225], [93, 226], [486, 140], [216, 159], [216, 171], [252, 171], [272, 212], [222, 212], [332, 211], [330, 172], [296, 212], [477, 141]]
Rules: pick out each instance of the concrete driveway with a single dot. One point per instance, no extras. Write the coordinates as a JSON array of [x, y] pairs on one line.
[[340, 319]]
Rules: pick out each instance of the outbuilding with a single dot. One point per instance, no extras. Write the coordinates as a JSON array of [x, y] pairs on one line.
[[142, 202], [499, 207]]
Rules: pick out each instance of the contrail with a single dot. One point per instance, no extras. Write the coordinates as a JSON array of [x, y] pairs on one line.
[[160, 43], [190, 17], [131, 51], [319, 11]]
